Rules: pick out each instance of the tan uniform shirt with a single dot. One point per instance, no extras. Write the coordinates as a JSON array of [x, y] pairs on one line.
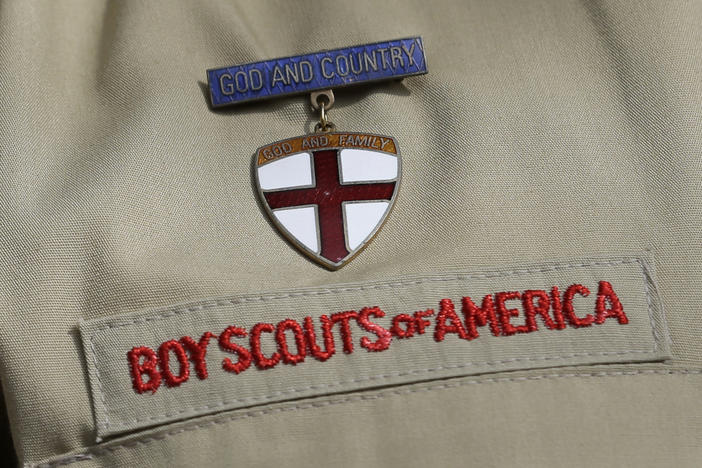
[[556, 140]]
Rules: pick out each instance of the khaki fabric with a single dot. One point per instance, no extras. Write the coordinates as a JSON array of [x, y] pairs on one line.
[[118, 408], [608, 418], [544, 130]]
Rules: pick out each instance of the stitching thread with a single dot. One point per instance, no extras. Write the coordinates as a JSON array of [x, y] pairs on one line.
[[327, 338], [102, 394], [66, 461], [243, 354], [139, 368], [208, 304], [364, 379], [378, 396], [646, 277], [164, 350]]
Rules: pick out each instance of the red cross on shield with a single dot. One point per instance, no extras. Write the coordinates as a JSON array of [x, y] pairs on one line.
[[329, 193]]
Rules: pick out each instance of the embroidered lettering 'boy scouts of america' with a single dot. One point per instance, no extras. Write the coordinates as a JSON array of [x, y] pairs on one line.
[[161, 365], [329, 192]]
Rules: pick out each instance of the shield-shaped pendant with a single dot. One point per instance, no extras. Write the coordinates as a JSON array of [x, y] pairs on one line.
[[329, 193]]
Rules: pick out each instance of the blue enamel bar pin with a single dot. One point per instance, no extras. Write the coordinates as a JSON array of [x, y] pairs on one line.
[[329, 192], [321, 70]]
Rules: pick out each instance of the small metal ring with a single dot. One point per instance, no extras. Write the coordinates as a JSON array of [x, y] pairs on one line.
[[317, 98], [322, 115], [326, 128]]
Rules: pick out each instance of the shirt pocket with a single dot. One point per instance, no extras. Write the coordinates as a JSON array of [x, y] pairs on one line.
[[185, 361]]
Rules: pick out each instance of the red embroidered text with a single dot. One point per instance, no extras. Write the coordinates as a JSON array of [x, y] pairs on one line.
[[291, 342]]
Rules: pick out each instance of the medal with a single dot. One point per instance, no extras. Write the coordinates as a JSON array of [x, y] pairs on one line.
[[328, 192]]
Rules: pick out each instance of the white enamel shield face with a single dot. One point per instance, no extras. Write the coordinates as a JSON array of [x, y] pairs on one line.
[[329, 194]]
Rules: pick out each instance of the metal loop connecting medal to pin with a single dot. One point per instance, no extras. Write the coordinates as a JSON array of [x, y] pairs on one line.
[[323, 101], [328, 192]]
